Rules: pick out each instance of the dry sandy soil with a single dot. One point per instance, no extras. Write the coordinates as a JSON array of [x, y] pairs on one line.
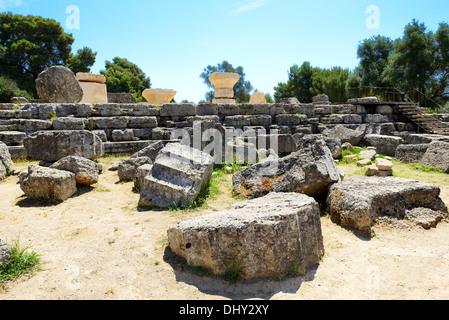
[[98, 245]]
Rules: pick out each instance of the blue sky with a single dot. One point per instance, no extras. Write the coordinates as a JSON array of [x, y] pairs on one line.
[[173, 41]]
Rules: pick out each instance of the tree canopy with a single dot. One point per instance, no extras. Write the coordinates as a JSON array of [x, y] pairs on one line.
[[242, 88], [305, 82], [414, 67], [29, 44], [123, 76]]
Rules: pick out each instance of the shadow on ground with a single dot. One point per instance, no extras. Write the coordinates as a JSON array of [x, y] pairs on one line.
[[25, 202], [264, 288]]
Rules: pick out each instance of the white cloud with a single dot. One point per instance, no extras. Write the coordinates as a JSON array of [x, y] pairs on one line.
[[5, 4], [251, 6]]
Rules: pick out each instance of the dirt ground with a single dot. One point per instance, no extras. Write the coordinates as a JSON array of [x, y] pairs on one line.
[[98, 245]]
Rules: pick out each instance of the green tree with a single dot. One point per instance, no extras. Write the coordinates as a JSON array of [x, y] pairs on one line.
[[299, 84], [242, 89], [305, 82], [82, 61], [419, 65], [28, 45], [123, 76], [269, 98], [9, 89]]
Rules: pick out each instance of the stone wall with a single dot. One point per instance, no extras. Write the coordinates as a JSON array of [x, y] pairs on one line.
[[128, 127]]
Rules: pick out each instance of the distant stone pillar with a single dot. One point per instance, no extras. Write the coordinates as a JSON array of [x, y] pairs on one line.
[[224, 83], [94, 87], [159, 96], [258, 97]]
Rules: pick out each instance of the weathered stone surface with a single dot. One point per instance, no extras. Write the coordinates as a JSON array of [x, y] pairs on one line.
[[411, 153], [5, 252], [288, 119], [127, 168], [285, 143], [58, 84], [69, 124], [142, 122], [85, 170], [424, 138], [291, 100], [267, 237], [6, 163], [359, 202], [123, 135], [120, 97], [94, 92], [140, 174], [385, 145], [55, 145], [108, 122], [321, 99], [374, 171], [363, 162], [178, 110], [384, 164], [151, 150], [344, 134], [368, 154], [258, 97], [177, 177], [159, 96], [90, 77], [437, 155], [19, 100], [47, 183], [334, 145], [12, 138], [363, 100], [310, 171], [224, 84]]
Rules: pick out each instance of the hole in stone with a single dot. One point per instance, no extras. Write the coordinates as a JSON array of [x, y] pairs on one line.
[[188, 245]]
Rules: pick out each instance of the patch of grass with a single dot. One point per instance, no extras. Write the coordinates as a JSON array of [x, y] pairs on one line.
[[24, 262], [234, 268], [102, 189]]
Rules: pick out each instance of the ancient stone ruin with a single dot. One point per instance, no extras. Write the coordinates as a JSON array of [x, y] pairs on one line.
[[360, 202], [290, 149], [265, 237]]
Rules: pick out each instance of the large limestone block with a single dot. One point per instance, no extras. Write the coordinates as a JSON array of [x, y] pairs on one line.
[[90, 77], [257, 98], [384, 144], [437, 155], [94, 92], [58, 84], [344, 134], [224, 83], [55, 145], [177, 177], [360, 202], [411, 153], [48, 183], [267, 237], [85, 170], [159, 96], [310, 171], [6, 163]]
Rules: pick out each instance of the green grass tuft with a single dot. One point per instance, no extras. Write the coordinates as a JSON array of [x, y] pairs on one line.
[[22, 263]]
